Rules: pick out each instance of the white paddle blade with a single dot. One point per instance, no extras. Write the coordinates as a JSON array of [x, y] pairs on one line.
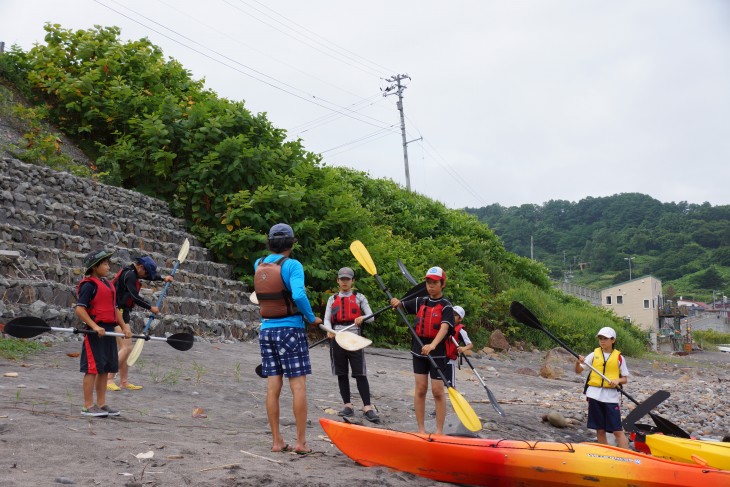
[[183, 251], [352, 342], [136, 352], [252, 297]]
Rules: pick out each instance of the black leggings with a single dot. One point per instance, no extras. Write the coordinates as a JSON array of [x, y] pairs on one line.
[[363, 387]]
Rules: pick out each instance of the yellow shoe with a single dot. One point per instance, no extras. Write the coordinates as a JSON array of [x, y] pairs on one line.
[[111, 386], [132, 387]]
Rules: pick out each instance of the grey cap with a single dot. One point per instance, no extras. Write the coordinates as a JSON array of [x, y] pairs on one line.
[[281, 230], [346, 272]]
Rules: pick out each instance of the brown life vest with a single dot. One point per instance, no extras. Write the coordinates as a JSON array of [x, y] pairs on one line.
[[275, 299]]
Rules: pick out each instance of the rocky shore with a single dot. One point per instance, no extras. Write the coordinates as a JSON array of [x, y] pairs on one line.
[[201, 419]]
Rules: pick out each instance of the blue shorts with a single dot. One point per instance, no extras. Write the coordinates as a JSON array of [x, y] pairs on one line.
[[604, 416], [284, 351]]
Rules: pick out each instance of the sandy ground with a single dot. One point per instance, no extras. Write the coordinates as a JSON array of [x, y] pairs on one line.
[[45, 441]]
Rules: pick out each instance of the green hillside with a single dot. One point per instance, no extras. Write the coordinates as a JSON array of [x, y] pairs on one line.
[[590, 242], [230, 173]]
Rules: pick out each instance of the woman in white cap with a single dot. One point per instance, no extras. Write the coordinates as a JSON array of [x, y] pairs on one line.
[[604, 410]]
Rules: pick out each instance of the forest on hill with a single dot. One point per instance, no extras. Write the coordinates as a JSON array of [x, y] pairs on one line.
[[592, 242], [148, 125]]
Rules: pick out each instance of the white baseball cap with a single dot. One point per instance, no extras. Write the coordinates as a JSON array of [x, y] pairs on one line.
[[459, 311], [607, 332]]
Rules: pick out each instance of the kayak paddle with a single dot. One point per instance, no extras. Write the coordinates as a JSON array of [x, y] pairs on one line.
[[349, 341], [30, 327], [629, 422], [137, 350], [492, 398], [463, 409], [525, 316]]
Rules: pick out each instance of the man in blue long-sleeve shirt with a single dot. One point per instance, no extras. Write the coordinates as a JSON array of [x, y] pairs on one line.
[[285, 308]]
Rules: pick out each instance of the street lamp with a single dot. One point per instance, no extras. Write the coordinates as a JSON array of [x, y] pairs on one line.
[[629, 259]]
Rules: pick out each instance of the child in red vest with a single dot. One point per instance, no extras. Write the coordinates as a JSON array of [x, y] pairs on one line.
[[434, 323], [96, 307], [343, 309], [604, 411], [127, 286], [454, 349]]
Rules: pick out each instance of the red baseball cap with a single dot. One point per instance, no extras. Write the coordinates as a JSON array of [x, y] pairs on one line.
[[436, 273]]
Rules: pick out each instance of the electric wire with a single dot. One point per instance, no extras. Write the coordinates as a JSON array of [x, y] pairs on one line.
[[361, 67], [380, 66], [315, 99]]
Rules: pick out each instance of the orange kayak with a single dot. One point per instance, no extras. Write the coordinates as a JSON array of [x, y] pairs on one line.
[[514, 463]]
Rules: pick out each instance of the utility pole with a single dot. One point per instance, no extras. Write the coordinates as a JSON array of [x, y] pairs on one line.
[[397, 89]]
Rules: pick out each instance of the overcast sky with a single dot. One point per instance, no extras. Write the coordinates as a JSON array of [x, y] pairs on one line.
[[517, 101]]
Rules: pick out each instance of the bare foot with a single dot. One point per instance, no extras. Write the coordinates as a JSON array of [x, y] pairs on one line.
[[280, 448]]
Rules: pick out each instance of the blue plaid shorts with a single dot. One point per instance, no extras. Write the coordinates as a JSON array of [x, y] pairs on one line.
[[284, 351]]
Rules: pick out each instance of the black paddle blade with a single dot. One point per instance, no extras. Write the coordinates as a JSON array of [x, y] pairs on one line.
[[260, 371], [667, 427], [629, 423], [26, 327], [524, 315], [181, 341]]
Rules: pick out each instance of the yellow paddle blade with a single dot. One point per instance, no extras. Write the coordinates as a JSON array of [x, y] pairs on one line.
[[363, 257], [136, 352], [464, 411], [183, 251]]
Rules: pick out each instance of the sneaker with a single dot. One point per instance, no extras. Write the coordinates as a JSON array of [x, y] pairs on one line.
[[372, 416], [110, 411], [346, 412], [94, 411], [111, 386], [131, 387]]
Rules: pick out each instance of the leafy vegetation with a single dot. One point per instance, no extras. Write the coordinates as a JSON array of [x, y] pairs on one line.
[[16, 349], [231, 174], [685, 245]]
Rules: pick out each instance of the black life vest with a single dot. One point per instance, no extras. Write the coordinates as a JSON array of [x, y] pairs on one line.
[[452, 349], [103, 305], [428, 320], [118, 282], [274, 298], [345, 308]]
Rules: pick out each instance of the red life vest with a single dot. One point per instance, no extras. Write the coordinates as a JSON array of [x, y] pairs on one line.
[[452, 349], [275, 299], [102, 307], [118, 281], [345, 308], [428, 320]]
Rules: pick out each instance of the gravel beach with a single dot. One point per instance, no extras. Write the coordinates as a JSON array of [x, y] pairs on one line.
[[201, 419]]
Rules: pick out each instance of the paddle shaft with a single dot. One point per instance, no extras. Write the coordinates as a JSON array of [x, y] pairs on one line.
[[492, 398], [162, 295], [566, 347], [108, 333], [413, 332]]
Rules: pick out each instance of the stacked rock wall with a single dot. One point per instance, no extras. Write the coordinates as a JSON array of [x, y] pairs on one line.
[[50, 220]]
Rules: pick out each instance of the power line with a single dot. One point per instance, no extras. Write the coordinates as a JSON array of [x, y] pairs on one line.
[[253, 48], [314, 97], [387, 70], [362, 68]]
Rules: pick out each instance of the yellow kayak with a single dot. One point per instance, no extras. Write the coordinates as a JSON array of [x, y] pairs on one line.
[[706, 453]]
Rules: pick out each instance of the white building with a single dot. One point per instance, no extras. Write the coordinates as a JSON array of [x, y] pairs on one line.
[[636, 301]]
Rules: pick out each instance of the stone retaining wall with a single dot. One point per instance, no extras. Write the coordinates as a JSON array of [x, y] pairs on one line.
[[49, 220]]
